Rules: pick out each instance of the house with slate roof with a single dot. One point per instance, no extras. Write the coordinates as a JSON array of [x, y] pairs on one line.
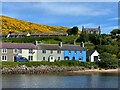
[[61, 52], [9, 51], [91, 30], [92, 56], [46, 52]]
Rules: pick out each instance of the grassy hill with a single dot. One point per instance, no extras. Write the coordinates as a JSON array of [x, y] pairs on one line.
[[19, 26]]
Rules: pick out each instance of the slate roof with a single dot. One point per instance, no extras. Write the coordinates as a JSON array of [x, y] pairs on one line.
[[17, 45], [90, 52], [57, 47], [40, 46], [90, 29], [48, 47]]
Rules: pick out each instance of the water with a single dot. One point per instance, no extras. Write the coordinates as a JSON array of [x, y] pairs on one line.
[[60, 81]]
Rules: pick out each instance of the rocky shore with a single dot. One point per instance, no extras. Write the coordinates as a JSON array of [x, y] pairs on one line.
[[38, 70], [50, 69]]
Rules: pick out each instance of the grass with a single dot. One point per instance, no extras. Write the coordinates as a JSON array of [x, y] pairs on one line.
[[44, 39], [58, 63]]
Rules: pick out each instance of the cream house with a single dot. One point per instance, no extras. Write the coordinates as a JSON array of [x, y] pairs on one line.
[[9, 51]]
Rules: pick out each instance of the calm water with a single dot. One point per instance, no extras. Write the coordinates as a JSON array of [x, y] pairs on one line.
[[60, 81]]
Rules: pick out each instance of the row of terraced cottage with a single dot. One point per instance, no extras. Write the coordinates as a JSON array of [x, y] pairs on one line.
[[46, 52]]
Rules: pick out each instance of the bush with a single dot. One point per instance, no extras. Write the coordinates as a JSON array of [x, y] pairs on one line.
[[107, 61]]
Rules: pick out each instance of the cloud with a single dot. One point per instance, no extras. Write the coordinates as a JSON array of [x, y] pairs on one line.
[[59, 0], [73, 9], [116, 18], [63, 8]]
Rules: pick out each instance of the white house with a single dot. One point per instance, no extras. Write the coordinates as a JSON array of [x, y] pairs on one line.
[[92, 56]]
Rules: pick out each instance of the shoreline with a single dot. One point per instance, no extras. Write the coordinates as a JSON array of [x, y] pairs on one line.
[[98, 70], [55, 70]]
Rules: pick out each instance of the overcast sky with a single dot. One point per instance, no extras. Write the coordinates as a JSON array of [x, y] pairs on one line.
[[67, 14]]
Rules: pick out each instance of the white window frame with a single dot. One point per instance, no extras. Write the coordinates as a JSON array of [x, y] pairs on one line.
[[30, 51], [19, 51], [44, 51], [51, 51], [58, 51], [4, 58], [14, 51], [30, 59], [43, 58], [69, 51], [75, 52], [4, 50], [80, 52]]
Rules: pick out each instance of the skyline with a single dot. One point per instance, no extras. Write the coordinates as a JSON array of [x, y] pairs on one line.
[[66, 14]]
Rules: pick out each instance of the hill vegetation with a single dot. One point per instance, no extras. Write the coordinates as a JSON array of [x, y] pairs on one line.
[[19, 26]]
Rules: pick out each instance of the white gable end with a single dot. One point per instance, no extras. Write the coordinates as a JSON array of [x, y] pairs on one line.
[[93, 55]]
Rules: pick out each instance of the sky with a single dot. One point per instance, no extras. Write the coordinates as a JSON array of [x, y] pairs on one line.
[[66, 14]]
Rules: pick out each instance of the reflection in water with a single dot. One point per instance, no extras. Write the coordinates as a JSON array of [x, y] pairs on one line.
[[60, 81]]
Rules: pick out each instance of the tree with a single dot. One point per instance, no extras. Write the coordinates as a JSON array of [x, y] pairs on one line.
[[107, 61], [115, 31], [73, 31]]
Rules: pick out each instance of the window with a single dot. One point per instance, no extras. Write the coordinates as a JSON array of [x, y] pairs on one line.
[[75, 52], [43, 51], [80, 52], [69, 52], [15, 50], [51, 51], [43, 58], [20, 50], [58, 51], [30, 58], [58, 58], [4, 50], [73, 58], [80, 59], [30, 50], [4, 58]]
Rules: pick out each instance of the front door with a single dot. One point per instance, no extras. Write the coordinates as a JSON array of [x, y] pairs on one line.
[[95, 58], [51, 59]]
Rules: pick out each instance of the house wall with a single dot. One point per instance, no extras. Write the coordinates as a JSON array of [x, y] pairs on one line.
[[48, 53], [10, 55], [92, 56], [25, 53], [77, 55]]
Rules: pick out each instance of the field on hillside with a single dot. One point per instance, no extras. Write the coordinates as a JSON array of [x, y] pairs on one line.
[[44, 40], [19, 26]]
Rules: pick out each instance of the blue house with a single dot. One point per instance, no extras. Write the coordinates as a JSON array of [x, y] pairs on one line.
[[75, 55], [74, 52]]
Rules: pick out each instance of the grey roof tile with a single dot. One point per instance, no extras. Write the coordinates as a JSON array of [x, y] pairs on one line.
[[18, 45]]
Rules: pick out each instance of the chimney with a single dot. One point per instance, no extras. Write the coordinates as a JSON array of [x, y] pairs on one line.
[[60, 44], [82, 28], [98, 27], [82, 44]]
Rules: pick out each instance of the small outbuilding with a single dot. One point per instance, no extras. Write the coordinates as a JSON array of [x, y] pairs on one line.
[[92, 56]]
